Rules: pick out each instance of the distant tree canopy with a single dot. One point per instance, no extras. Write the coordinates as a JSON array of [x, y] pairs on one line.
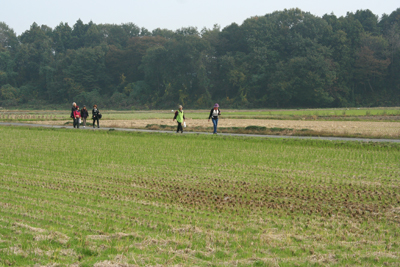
[[288, 58]]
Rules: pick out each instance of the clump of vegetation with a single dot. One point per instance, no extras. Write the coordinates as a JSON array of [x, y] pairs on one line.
[[256, 128], [160, 127]]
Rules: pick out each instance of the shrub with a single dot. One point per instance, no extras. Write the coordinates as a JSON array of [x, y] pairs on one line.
[[256, 128]]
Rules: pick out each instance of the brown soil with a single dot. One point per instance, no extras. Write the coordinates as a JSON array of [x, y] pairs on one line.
[[336, 127]]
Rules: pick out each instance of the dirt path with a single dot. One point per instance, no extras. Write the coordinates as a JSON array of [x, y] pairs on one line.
[[338, 127], [208, 133]]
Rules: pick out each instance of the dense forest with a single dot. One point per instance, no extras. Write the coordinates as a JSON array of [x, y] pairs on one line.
[[285, 59]]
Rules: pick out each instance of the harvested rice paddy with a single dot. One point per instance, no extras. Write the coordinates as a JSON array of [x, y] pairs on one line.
[[107, 198]]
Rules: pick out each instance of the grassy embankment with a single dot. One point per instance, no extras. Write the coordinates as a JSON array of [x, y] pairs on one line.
[[85, 197], [368, 114], [323, 115]]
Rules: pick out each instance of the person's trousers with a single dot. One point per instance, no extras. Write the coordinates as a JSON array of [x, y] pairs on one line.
[[94, 122], [84, 121], [76, 122], [179, 127], [215, 123]]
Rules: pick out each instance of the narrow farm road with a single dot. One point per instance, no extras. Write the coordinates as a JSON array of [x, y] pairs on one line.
[[220, 134]]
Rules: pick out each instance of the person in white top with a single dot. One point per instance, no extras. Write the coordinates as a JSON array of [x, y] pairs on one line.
[[214, 113]]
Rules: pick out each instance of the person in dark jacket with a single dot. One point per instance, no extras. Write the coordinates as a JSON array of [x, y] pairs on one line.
[[77, 115], [73, 109], [214, 113], [84, 115], [180, 118], [95, 116]]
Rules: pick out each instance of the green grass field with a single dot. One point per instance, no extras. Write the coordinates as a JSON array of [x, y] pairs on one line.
[[98, 198]]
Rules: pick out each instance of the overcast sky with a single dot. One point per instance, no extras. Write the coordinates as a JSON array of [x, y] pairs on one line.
[[170, 14]]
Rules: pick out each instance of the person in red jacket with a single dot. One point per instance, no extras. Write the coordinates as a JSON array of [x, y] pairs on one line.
[[77, 116]]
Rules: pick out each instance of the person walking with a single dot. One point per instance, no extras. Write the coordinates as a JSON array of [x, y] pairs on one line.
[[77, 115], [73, 109], [95, 116], [214, 113], [84, 115], [180, 118]]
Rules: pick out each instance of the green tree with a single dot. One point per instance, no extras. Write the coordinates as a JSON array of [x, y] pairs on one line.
[[61, 37], [131, 30], [93, 36], [168, 34], [86, 71], [78, 34], [8, 38], [9, 95], [127, 61], [370, 69], [368, 20], [34, 59], [7, 73]]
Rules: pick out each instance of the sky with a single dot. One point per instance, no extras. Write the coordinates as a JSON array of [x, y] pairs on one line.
[[169, 14]]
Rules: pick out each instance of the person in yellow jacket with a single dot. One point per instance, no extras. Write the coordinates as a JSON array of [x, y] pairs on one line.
[[180, 118]]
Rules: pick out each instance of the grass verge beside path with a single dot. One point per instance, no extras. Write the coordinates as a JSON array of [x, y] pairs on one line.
[[342, 114], [109, 197]]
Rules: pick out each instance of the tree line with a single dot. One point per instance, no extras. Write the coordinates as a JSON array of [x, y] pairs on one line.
[[288, 58]]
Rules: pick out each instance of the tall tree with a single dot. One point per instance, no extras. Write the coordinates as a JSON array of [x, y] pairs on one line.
[[61, 36], [368, 20], [8, 38]]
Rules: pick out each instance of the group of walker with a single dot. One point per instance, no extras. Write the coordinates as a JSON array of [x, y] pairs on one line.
[[214, 114], [77, 115]]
